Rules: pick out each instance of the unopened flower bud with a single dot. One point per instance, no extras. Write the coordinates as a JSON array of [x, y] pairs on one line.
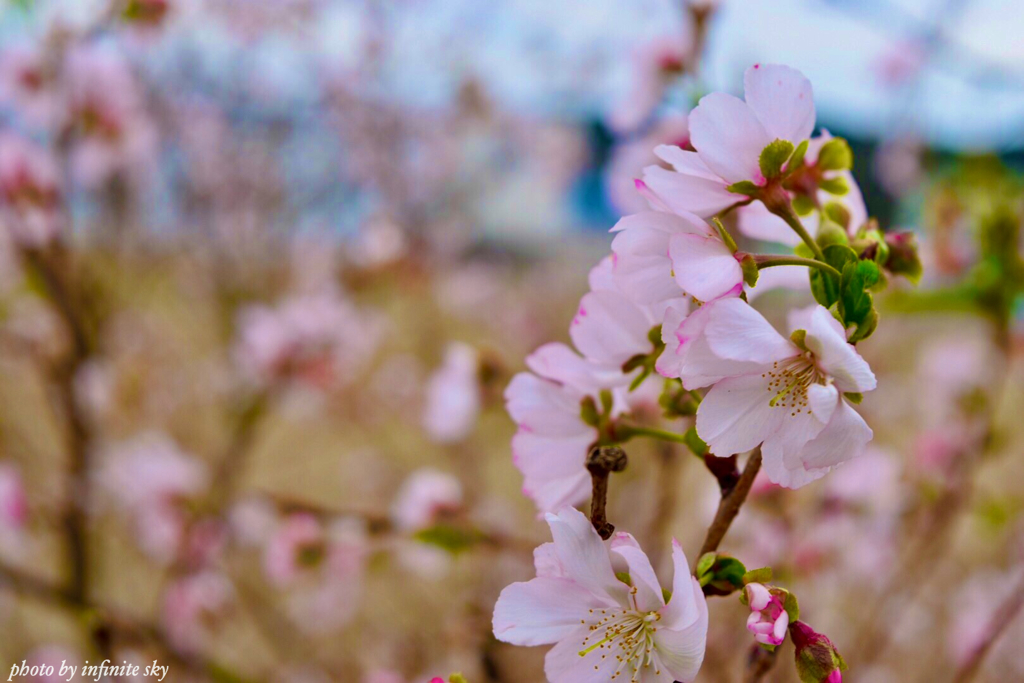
[[768, 618], [817, 660]]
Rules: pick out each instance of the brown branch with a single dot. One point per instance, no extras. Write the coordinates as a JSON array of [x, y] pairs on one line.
[[601, 462], [1000, 622], [730, 504]]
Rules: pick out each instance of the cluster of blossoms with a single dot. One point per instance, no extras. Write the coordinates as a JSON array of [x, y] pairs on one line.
[[312, 340], [674, 299]]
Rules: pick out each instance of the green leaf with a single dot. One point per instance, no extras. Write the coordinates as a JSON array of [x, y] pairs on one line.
[[449, 538], [745, 187], [825, 286], [762, 575], [774, 157], [865, 328], [837, 186], [835, 155]]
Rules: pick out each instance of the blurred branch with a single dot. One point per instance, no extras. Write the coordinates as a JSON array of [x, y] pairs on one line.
[[1001, 621], [112, 622], [759, 662], [731, 503]]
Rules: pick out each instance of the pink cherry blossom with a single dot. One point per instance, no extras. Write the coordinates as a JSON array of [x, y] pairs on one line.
[[425, 495], [602, 627], [660, 256], [150, 478], [106, 109], [729, 135], [768, 619], [25, 86], [29, 190], [193, 606], [654, 67], [609, 328], [631, 156], [13, 502], [321, 565], [453, 395], [315, 340], [552, 441], [766, 390]]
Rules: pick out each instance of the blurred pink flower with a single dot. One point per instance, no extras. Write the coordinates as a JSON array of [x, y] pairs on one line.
[[114, 135], [426, 494], [29, 190], [25, 85], [453, 395], [150, 478], [578, 603], [317, 340], [768, 620], [655, 65], [13, 502], [193, 606]]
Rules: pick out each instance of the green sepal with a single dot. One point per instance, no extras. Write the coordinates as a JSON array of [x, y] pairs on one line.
[[762, 575], [745, 187], [831, 233], [695, 443], [799, 337], [835, 155], [791, 606], [837, 186], [588, 412], [838, 214], [854, 397], [803, 205], [723, 577], [624, 578], [457, 678], [704, 564], [749, 267], [774, 157], [796, 160]]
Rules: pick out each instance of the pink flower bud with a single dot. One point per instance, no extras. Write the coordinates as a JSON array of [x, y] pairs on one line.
[[817, 660], [768, 618]]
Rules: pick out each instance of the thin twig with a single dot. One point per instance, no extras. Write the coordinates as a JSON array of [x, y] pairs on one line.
[[1001, 621], [730, 504], [601, 462]]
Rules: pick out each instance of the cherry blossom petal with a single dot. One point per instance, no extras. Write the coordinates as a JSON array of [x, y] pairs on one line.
[[682, 192], [827, 340], [757, 222], [584, 555], [688, 356], [682, 651], [543, 407], [554, 472], [843, 438], [684, 607], [641, 574], [736, 331], [777, 472], [822, 400], [602, 276], [735, 416], [785, 445], [609, 329], [686, 162], [728, 136], [558, 362], [563, 663], [546, 562], [782, 99], [542, 611], [793, 278], [704, 266]]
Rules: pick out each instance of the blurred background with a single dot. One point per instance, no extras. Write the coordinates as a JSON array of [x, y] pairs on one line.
[[267, 266]]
